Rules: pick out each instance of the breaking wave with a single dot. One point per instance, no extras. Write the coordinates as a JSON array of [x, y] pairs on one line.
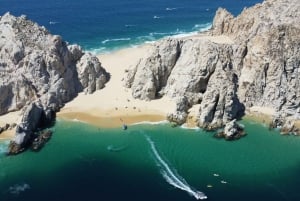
[[170, 9], [112, 44], [184, 126], [115, 40], [151, 122], [202, 27], [53, 22], [157, 17], [97, 50], [171, 177]]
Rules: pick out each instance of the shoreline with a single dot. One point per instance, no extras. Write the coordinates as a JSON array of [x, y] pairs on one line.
[[113, 106], [9, 118], [115, 102], [116, 121]]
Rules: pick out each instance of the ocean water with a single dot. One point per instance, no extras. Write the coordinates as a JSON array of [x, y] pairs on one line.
[[101, 25], [146, 162], [154, 162]]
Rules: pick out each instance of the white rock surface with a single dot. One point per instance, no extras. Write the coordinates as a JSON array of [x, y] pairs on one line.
[[36, 66], [259, 67]]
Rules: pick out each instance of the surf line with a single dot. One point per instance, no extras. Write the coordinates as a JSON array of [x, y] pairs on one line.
[[170, 176]]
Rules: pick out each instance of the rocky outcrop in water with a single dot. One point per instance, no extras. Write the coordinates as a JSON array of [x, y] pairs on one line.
[[232, 131], [257, 66], [39, 72]]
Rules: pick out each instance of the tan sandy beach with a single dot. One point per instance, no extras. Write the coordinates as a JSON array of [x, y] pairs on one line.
[[10, 118], [259, 114], [114, 105]]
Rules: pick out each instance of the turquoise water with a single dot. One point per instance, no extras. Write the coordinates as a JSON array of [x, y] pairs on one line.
[[82, 162]]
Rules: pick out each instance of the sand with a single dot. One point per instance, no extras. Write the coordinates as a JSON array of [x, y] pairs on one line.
[[259, 114], [10, 118], [114, 105]]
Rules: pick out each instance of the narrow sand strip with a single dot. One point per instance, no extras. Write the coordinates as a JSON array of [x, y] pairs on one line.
[[114, 105], [10, 118]]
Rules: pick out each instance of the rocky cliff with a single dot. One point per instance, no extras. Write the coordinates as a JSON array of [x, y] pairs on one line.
[[258, 65], [39, 72]]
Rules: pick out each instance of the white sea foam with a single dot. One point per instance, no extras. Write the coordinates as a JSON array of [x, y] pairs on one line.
[[150, 42], [146, 39], [170, 9], [158, 33], [151, 122], [202, 27], [157, 17], [171, 177], [3, 147], [97, 50], [77, 120], [115, 40], [184, 126], [185, 34], [53, 22], [18, 188], [130, 25]]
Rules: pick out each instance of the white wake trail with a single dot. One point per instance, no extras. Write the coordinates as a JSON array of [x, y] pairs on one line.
[[171, 178]]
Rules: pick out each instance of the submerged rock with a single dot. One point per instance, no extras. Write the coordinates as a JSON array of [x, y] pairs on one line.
[[41, 139], [232, 131]]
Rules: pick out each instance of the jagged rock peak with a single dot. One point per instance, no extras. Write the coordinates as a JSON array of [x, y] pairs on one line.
[[36, 66], [259, 18], [42, 66], [259, 67]]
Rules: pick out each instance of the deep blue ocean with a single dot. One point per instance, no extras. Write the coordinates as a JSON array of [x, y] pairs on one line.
[[102, 26]]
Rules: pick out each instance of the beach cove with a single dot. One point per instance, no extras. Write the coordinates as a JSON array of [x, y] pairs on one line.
[[234, 74]]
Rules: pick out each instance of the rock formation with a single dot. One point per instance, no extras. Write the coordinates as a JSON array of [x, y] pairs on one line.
[[232, 131], [257, 66], [39, 72]]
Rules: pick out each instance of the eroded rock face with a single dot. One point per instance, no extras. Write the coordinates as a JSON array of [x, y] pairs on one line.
[[260, 67], [91, 75], [152, 73], [232, 131], [267, 44], [36, 66]]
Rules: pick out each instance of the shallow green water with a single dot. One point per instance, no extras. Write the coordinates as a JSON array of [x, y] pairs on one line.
[[82, 162]]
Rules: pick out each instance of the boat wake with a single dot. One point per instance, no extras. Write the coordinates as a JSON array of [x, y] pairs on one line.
[[116, 149], [171, 177]]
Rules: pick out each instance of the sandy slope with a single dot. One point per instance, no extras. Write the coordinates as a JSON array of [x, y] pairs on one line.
[[114, 105]]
